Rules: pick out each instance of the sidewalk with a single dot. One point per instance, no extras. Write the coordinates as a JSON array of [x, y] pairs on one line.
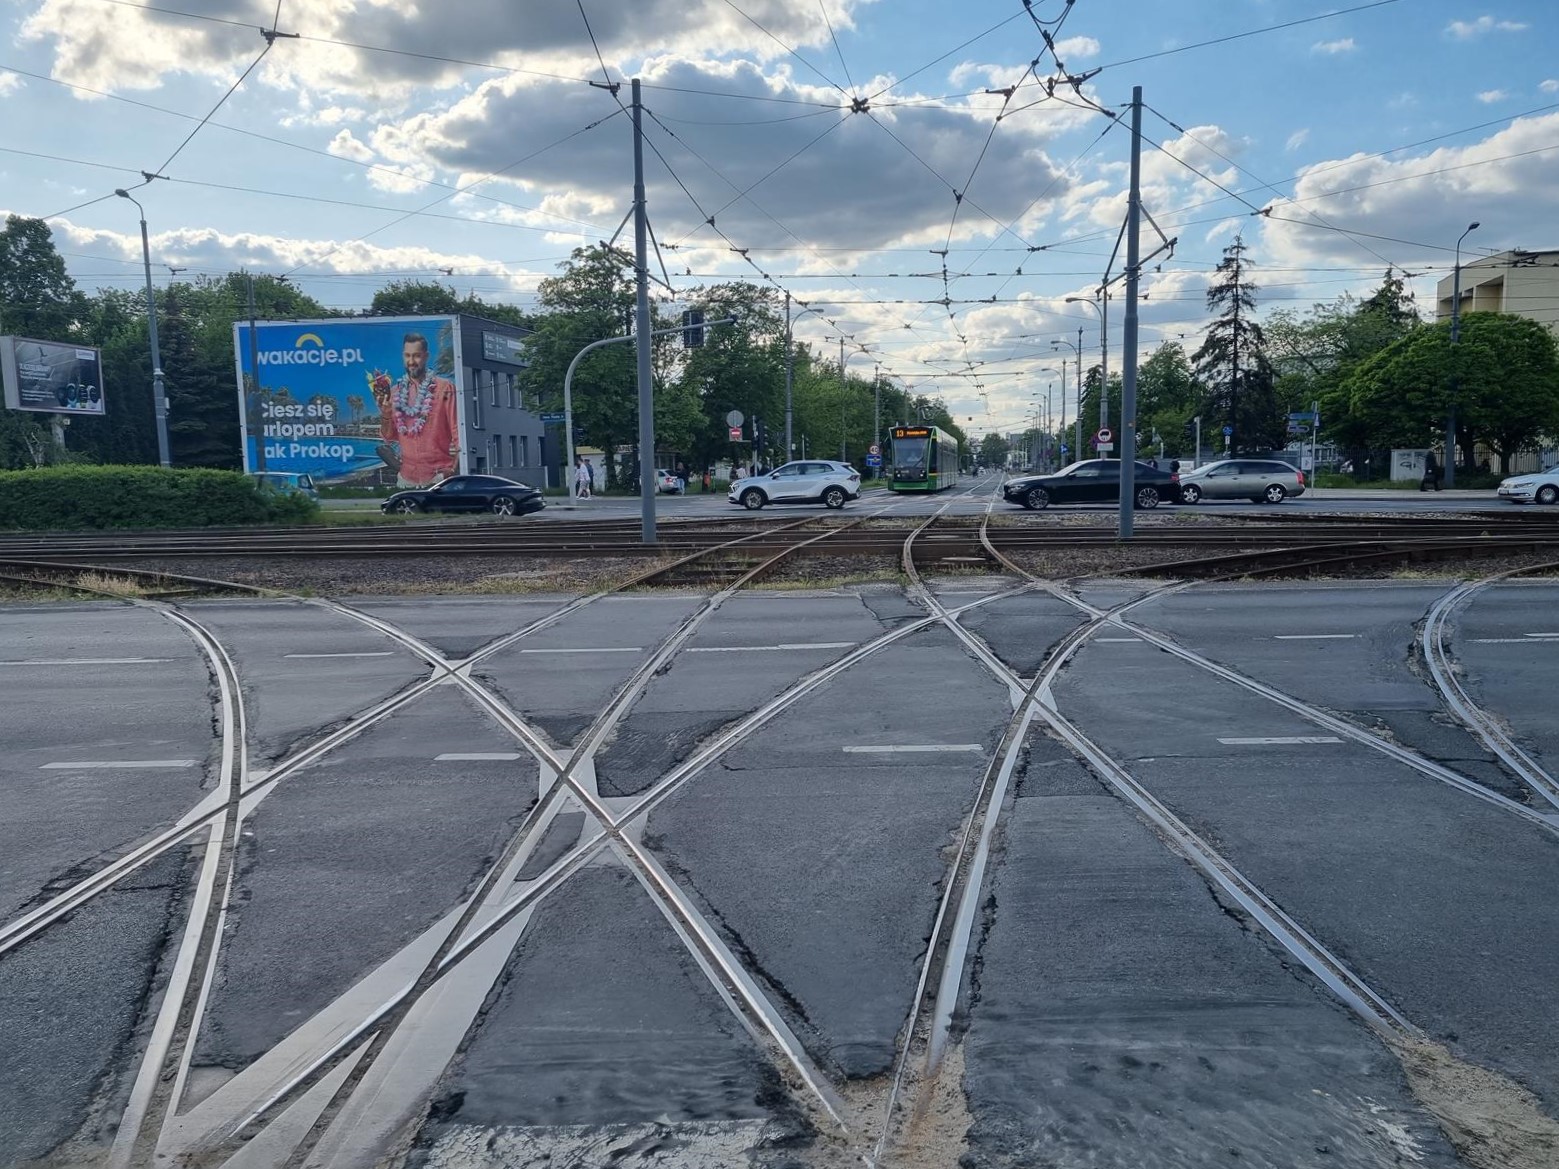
[[1351, 494]]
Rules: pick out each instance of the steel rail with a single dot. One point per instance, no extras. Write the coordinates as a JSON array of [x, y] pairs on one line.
[[1479, 721]]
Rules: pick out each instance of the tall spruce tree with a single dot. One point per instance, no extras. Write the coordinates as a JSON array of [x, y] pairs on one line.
[[1232, 361]]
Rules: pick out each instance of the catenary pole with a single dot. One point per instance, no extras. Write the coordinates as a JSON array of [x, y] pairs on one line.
[[790, 381], [1129, 338], [641, 327], [259, 396]]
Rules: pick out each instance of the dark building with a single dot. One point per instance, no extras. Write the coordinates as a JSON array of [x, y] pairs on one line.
[[504, 433]]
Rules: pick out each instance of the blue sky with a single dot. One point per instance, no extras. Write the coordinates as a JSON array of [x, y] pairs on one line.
[[346, 175]]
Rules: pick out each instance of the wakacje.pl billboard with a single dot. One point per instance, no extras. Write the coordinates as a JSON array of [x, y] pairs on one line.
[[52, 377], [345, 399]]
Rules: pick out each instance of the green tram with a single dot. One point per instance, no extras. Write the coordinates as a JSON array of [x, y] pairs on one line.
[[924, 459]]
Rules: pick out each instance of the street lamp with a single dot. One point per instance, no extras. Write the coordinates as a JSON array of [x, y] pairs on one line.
[[790, 367], [1456, 332], [159, 397], [1104, 351]]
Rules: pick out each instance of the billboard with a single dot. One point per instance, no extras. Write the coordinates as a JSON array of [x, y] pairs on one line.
[[370, 400], [52, 377]]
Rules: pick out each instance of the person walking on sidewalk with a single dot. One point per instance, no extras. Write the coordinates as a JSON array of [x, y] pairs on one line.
[[1431, 473], [581, 477]]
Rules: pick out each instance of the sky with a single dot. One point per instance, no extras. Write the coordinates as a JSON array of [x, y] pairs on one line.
[[929, 180]]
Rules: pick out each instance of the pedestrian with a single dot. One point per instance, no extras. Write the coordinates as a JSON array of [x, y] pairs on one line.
[[1431, 473], [705, 485], [737, 472], [581, 477]]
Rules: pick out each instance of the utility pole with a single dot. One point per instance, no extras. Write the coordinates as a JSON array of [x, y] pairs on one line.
[[159, 394], [642, 331], [877, 416], [258, 414], [1129, 339], [1456, 334], [841, 399], [790, 378]]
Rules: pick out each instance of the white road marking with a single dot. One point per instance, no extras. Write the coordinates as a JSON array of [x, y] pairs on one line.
[[83, 661], [1541, 635], [1529, 639], [378, 653], [1313, 636], [116, 764], [914, 748], [1117, 639], [797, 645], [1281, 740], [603, 649], [474, 756]]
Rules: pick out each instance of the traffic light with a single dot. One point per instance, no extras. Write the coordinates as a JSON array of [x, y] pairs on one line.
[[693, 328], [1190, 429]]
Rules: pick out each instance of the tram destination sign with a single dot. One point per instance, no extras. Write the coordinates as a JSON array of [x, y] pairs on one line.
[[911, 431]]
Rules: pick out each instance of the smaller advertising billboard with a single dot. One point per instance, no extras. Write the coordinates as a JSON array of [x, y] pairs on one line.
[[52, 377], [365, 400]]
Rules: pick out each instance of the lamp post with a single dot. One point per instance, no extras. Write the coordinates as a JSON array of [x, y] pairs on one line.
[[790, 370], [159, 396], [1103, 309], [1456, 332]]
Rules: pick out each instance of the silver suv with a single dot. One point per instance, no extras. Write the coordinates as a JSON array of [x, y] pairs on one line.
[[812, 481], [1260, 480]]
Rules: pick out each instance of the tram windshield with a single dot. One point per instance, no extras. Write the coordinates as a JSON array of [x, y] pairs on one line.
[[909, 455]]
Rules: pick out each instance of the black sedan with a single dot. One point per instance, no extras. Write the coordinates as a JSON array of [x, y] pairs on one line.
[[1092, 481], [468, 493]]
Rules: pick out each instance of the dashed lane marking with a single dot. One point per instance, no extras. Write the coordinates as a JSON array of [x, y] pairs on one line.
[[797, 645], [475, 756], [598, 649], [116, 764], [1117, 640], [378, 653], [1313, 636], [1528, 639], [83, 661], [1280, 740], [913, 748]]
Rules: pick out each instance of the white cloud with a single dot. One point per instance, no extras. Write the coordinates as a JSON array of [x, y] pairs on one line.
[[346, 145], [1403, 101], [9, 82], [119, 48], [1466, 30], [1489, 96], [1332, 48], [1077, 48], [1549, 86], [1297, 139]]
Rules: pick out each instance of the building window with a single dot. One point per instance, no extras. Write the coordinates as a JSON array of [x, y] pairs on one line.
[[514, 452], [508, 391], [498, 450], [492, 387], [476, 399]]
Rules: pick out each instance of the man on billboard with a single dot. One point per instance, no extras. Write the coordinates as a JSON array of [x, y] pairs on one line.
[[417, 419]]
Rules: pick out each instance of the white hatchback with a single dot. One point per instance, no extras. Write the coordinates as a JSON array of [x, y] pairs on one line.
[[810, 481]]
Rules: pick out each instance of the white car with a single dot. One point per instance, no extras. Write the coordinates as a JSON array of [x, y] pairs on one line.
[[667, 483], [1540, 487], [812, 481]]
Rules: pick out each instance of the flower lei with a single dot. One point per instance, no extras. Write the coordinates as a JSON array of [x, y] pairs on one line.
[[411, 414]]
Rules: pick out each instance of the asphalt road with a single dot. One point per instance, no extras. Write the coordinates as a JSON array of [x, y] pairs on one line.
[[707, 951]]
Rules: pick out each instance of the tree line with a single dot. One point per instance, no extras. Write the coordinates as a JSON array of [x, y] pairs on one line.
[[741, 366], [1381, 376]]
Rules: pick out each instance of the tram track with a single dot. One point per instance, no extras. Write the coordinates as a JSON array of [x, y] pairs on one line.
[[343, 1084]]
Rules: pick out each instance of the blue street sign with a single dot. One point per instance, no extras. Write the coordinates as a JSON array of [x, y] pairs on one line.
[[1228, 430], [552, 417], [874, 460]]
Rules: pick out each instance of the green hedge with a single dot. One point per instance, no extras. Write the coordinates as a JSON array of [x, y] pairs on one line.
[[72, 497]]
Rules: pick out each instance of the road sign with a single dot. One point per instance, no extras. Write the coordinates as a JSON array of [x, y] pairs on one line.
[[874, 449], [874, 460], [1227, 431], [1104, 436], [1106, 446], [736, 431], [734, 419], [552, 417]]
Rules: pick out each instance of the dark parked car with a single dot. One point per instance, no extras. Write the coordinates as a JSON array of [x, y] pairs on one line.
[[1091, 481], [468, 493]]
